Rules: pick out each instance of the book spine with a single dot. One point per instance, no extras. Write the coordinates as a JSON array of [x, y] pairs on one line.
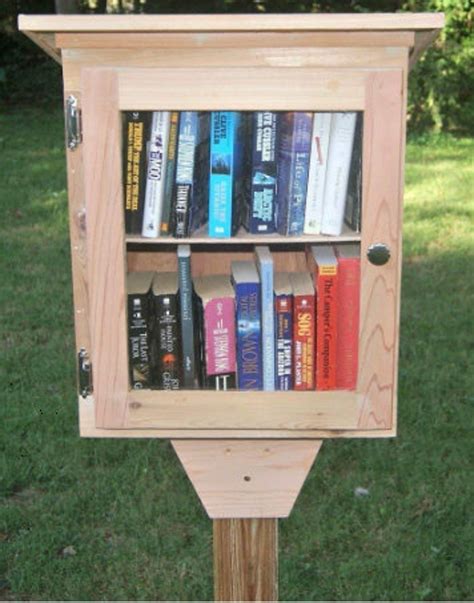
[[293, 166], [303, 342], [348, 296], [166, 337], [268, 324], [284, 341], [249, 348], [199, 200], [135, 132], [339, 159], [155, 182], [188, 343], [138, 340], [352, 213], [326, 327], [219, 327], [169, 174], [264, 173], [317, 173], [220, 383], [187, 138], [241, 171], [223, 125]]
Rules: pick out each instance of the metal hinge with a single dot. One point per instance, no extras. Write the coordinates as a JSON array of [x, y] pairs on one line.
[[84, 368], [73, 123]]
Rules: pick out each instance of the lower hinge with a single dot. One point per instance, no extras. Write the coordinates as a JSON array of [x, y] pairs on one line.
[[84, 365], [73, 123]]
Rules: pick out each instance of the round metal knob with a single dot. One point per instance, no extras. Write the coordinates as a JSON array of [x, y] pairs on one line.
[[378, 254]]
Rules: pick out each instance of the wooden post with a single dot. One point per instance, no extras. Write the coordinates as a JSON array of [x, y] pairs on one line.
[[246, 559]]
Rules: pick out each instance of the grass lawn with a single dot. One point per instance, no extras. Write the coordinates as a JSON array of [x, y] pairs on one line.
[[135, 526]]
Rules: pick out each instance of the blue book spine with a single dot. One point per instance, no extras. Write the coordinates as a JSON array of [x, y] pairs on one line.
[[187, 140], [265, 267], [293, 168], [223, 128], [284, 342], [264, 173], [249, 346]]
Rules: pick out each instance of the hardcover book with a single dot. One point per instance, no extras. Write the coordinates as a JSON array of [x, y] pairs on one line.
[[323, 263], [353, 210], [216, 309], [261, 215], [303, 330], [139, 323], [337, 174], [155, 174], [187, 323], [169, 174], [293, 166], [165, 346], [248, 318], [135, 134], [317, 173], [284, 331], [348, 306], [265, 269]]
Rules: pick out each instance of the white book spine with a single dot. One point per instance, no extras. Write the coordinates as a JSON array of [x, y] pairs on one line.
[[317, 173], [337, 175], [155, 175]]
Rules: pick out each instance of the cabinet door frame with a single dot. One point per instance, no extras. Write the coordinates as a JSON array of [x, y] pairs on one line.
[[368, 412]]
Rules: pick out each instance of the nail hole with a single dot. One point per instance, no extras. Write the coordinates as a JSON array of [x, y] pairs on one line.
[[228, 450], [267, 450], [247, 478]]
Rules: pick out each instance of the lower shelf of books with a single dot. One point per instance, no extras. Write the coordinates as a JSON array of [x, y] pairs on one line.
[[267, 319]]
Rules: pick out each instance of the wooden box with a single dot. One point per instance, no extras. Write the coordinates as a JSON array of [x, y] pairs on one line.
[[235, 62]]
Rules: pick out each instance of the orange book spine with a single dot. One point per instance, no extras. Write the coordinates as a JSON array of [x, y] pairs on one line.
[[303, 342]]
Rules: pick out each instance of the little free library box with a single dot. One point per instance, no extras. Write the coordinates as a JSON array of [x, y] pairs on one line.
[[268, 149]]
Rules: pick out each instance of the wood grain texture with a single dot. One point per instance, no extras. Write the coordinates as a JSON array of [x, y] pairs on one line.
[[259, 88], [105, 245], [235, 22], [247, 478], [245, 559], [381, 219]]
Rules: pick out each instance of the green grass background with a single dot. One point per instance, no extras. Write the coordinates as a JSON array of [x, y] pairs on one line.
[[127, 508]]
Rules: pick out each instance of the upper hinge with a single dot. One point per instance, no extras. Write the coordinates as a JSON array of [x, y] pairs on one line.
[[73, 123], [84, 367]]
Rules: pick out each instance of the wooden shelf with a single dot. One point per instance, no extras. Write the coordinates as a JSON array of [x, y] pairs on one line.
[[200, 237]]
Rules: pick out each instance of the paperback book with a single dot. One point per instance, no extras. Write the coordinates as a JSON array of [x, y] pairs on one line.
[[135, 135], [284, 331], [187, 323], [265, 269], [353, 209], [169, 174], [303, 330], [139, 322]]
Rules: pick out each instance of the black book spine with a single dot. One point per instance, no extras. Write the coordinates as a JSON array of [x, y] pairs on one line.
[[242, 172], [187, 323], [166, 343], [138, 340], [199, 198], [135, 134], [352, 211]]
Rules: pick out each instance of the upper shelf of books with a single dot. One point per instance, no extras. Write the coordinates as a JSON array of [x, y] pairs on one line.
[[242, 176]]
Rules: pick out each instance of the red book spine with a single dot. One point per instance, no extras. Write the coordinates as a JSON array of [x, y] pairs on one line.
[[326, 327], [348, 295], [303, 342]]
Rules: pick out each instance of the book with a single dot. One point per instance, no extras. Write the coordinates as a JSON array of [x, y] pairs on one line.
[[293, 166], [199, 200], [348, 307], [303, 330], [317, 173], [265, 270], [155, 173], [216, 310], [261, 213], [139, 323], [188, 134], [353, 209], [323, 264], [248, 319], [283, 331], [165, 345], [135, 130], [187, 323], [169, 174], [337, 172], [226, 161]]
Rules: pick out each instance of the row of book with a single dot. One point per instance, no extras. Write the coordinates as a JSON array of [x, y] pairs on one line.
[[288, 172], [253, 329]]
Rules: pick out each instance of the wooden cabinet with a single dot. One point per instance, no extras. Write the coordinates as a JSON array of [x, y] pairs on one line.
[[236, 62]]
